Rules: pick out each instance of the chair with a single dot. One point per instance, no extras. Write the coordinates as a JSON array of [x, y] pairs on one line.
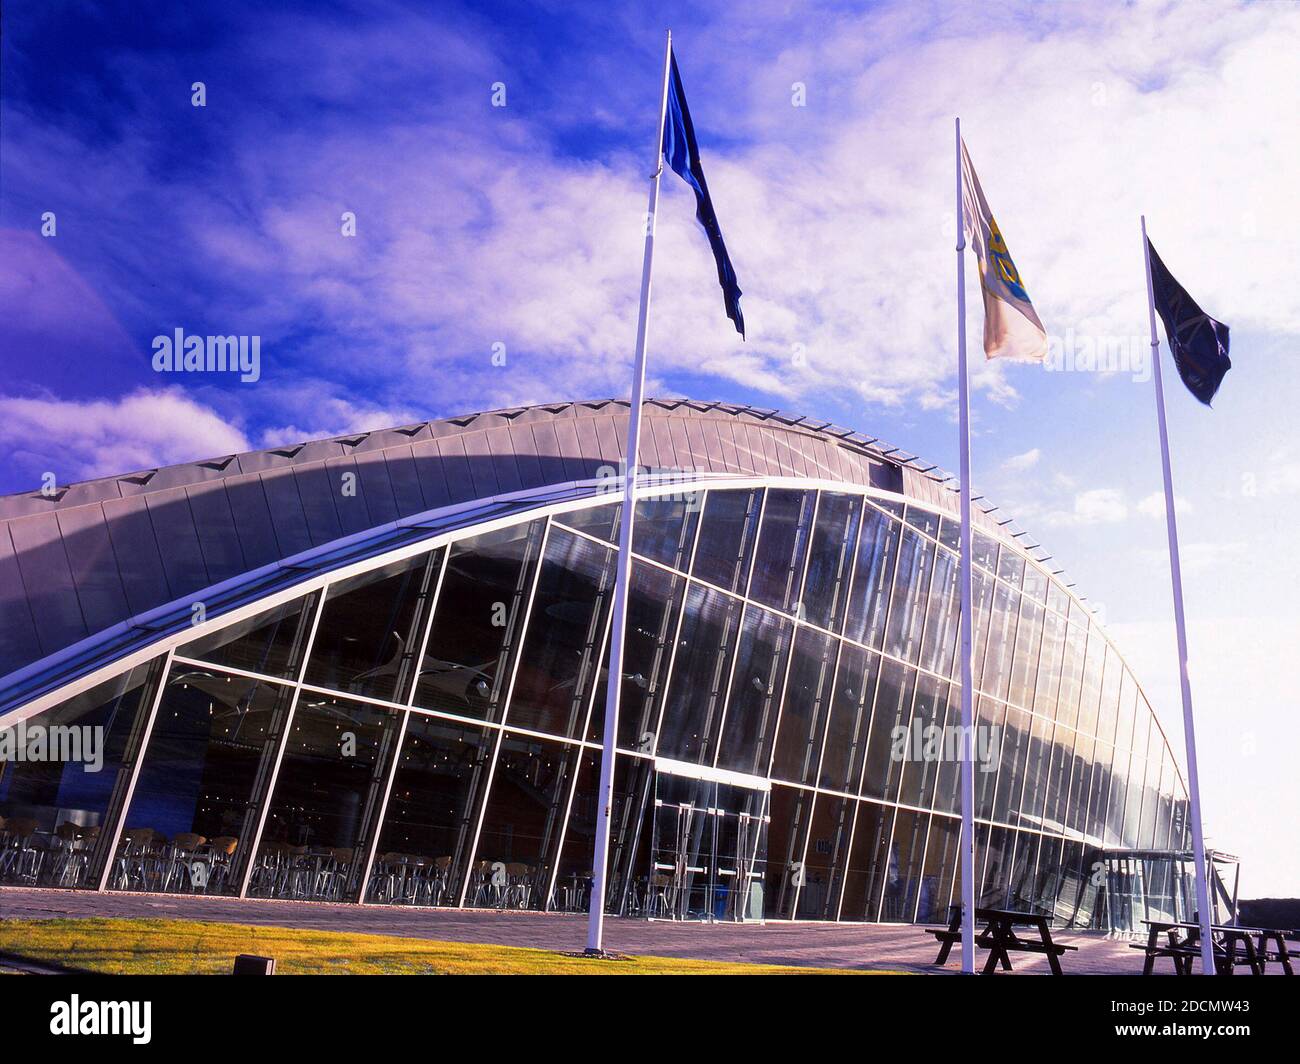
[[75, 845], [221, 851], [440, 883], [519, 886], [136, 861], [659, 898], [332, 873], [376, 887], [295, 872], [483, 885], [177, 862], [22, 858], [419, 883]]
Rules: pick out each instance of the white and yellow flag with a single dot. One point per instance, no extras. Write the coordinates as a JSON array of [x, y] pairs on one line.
[[1011, 327]]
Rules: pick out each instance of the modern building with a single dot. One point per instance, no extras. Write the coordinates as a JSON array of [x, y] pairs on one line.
[[371, 669]]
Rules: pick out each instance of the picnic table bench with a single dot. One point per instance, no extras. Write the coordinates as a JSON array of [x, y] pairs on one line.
[[1234, 947], [1000, 939]]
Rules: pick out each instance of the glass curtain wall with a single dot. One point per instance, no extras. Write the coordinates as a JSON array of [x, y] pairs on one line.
[[427, 732]]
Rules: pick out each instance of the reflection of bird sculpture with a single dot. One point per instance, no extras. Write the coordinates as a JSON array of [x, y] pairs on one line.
[[236, 700], [387, 669], [471, 684]]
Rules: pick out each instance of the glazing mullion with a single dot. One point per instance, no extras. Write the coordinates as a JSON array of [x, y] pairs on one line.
[[785, 686], [1005, 703], [875, 695], [401, 731], [155, 700], [794, 636], [687, 580], [1029, 747], [848, 598], [602, 655], [264, 799], [745, 607], [517, 653]]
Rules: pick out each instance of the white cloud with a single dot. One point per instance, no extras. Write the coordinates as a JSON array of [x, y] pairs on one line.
[[1021, 462], [1245, 678], [1154, 505], [1200, 556], [1098, 506], [474, 230], [100, 438]]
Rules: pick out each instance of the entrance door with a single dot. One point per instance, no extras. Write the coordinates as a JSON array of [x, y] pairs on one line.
[[709, 851]]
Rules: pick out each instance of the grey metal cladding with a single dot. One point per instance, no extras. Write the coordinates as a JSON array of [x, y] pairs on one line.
[[47, 577], [93, 554], [18, 639]]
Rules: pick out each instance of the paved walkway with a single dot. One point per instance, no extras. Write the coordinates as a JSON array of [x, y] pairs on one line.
[[890, 946]]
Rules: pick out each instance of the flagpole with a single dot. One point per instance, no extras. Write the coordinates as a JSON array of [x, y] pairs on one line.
[[1180, 623], [967, 614], [618, 624]]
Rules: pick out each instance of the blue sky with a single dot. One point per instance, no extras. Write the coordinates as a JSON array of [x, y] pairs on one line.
[[520, 225]]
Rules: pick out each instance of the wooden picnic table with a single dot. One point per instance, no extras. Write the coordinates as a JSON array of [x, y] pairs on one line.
[[1183, 946], [1000, 939]]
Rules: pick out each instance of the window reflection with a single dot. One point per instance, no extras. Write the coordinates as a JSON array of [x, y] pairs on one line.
[[868, 862], [805, 708], [665, 527], [939, 647], [726, 542], [845, 748], [423, 849], [562, 650], [701, 670], [826, 859], [873, 575], [521, 834], [269, 643], [786, 842], [903, 875], [830, 559], [889, 719], [324, 809], [911, 594], [198, 798], [56, 814], [477, 625], [653, 609], [367, 637], [939, 871], [779, 558], [758, 675]]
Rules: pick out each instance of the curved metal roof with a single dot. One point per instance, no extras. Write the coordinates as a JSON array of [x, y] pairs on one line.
[[92, 555]]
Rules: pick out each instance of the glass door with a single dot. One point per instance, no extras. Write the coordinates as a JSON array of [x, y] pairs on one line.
[[709, 851]]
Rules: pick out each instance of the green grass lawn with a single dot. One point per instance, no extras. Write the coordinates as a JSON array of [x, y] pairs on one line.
[[185, 947]]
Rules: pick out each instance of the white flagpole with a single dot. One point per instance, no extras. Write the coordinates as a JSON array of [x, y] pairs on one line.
[[618, 624], [967, 614], [1180, 623]]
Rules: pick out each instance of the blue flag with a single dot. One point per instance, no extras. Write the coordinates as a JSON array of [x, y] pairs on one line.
[[1198, 343], [682, 154]]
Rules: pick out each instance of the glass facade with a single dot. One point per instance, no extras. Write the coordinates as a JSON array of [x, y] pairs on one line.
[[426, 731]]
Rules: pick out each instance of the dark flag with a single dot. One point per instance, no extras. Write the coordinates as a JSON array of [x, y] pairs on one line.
[[1198, 343], [682, 154]]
